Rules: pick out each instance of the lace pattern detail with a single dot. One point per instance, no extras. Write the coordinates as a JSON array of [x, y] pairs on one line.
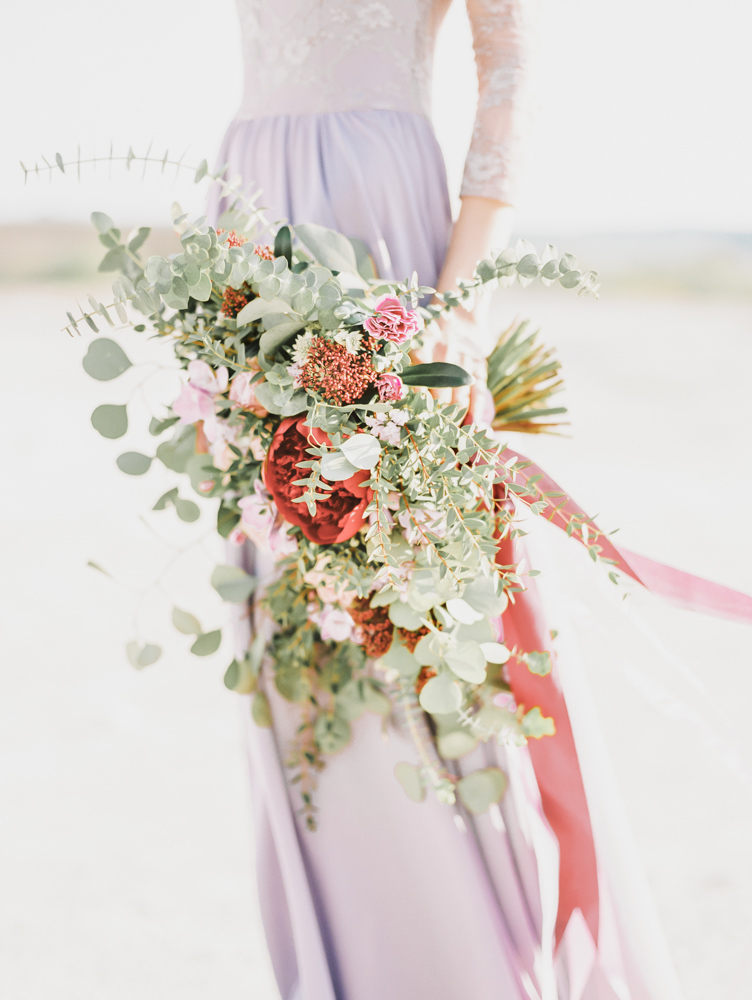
[[501, 41], [318, 56]]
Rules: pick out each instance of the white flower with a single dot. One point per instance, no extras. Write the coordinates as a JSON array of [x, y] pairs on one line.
[[301, 347], [350, 339], [387, 432], [399, 417]]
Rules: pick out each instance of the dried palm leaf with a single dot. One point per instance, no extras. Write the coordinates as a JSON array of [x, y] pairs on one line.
[[522, 377]]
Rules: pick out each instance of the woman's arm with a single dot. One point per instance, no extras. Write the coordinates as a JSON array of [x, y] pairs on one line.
[[464, 338], [501, 44]]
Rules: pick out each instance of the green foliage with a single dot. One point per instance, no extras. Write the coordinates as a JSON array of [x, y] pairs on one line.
[[260, 711], [185, 622], [110, 420], [427, 549], [142, 655], [535, 725], [233, 584], [538, 663], [479, 790], [409, 777], [437, 374], [207, 643], [133, 463], [105, 359]]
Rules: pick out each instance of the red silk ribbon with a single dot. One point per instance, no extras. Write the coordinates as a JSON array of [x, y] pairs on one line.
[[554, 758]]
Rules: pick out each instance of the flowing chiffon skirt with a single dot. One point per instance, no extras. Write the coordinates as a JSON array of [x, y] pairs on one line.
[[388, 899]]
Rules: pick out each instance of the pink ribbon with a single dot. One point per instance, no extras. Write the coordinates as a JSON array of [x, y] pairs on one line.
[[554, 758]]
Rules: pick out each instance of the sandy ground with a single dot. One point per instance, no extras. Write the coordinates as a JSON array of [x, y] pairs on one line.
[[126, 863]]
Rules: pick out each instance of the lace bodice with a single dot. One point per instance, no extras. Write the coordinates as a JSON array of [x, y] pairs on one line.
[[317, 56]]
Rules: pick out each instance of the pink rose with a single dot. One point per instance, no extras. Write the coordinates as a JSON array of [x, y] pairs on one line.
[[258, 509], [390, 387], [244, 394], [335, 624], [391, 321]]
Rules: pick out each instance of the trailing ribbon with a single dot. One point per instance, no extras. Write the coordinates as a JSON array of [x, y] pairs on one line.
[[554, 758]]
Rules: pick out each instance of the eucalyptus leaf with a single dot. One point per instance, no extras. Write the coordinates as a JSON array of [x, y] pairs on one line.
[[185, 622], [233, 584], [362, 450], [441, 695], [207, 643], [133, 463], [166, 499], [187, 510], [330, 248], [409, 777], [174, 454], [538, 663], [157, 427], [105, 359], [332, 733], [479, 790], [102, 222], [462, 611], [495, 652], [296, 404], [142, 655], [403, 616], [425, 653], [335, 467], [110, 420], [202, 289], [481, 595], [279, 334], [283, 244], [258, 307], [239, 676], [226, 520], [399, 658], [466, 661], [536, 725], [260, 711]]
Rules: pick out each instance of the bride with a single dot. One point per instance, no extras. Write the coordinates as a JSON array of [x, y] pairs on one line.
[[387, 900]]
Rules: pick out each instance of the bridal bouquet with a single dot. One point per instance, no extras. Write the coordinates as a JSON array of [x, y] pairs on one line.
[[305, 414]]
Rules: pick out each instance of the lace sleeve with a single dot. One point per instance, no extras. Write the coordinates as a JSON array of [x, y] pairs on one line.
[[501, 41]]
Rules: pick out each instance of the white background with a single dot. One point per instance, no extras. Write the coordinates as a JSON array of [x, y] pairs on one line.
[[644, 116]]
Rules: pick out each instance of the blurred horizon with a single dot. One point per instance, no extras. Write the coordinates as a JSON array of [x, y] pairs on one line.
[[678, 264]]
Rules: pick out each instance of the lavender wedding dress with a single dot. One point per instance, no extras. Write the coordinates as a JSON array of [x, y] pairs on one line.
[[389, 900]]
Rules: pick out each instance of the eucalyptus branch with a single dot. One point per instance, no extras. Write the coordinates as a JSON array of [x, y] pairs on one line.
[[230, 188]]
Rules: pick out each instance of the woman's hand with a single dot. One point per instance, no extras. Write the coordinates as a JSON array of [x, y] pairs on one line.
[[462, 337]]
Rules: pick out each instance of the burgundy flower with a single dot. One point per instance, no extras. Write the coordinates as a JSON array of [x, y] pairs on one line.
[[337, 518]]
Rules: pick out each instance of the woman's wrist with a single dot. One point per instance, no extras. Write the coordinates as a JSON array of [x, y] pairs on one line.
[[483, 225]]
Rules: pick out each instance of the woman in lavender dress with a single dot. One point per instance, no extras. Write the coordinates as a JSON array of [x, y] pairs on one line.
[[389, 900]]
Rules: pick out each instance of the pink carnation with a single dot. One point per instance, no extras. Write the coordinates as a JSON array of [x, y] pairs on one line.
[[391, 321], [390, 387]]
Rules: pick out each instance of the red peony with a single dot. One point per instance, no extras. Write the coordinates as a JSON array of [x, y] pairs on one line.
[[337, 518]]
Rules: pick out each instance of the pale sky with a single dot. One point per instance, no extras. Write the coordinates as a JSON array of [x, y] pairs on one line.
[[644, 117]]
